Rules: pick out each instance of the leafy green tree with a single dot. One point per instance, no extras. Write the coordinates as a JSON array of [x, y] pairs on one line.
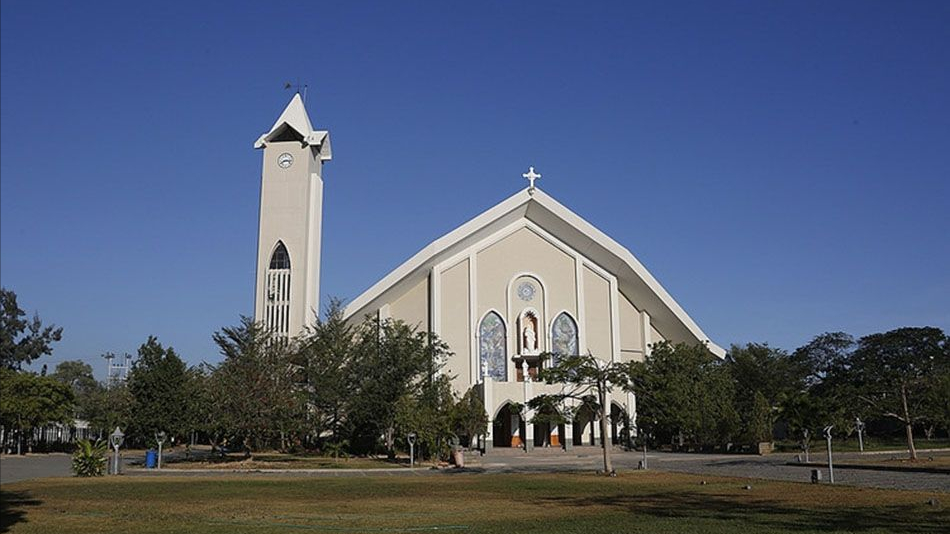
[[77, 375], [469, 420], [684, 392], [894, 373], [108, 407], [584, 377], [428, 412], [28, 401], [390, 361], [157, 386], [255, 391], [325, 354], [827, 396], [759, 368], [22, 340]]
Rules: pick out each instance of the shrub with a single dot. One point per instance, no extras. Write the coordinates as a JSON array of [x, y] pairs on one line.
[[89, 460]]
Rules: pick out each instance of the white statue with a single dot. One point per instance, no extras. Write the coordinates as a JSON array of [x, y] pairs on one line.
[[530, 339]]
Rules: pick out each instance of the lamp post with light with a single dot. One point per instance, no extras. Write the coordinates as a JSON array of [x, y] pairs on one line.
[[116, 439], [411, 438], [160, 438]]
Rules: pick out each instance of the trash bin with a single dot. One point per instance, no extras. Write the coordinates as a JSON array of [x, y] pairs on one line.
[[151, 458]]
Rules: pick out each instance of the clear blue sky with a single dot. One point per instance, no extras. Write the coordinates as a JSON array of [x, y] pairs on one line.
[[783, 168]]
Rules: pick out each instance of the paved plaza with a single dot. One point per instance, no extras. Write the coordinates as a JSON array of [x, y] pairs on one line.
[[773, 467]]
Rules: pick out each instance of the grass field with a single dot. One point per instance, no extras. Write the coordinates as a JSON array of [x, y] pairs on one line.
[[551, 503], [281, 461]]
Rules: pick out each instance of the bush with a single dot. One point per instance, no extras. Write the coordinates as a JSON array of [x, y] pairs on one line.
[[89, 460]]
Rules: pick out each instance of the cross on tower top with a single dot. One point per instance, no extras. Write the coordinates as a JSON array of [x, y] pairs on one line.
[[531, 176]]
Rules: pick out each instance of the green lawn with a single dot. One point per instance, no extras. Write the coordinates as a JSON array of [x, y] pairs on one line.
[[635, 502]]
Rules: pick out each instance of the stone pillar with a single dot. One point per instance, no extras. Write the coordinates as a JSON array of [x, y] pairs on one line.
[[568, 441], [632, 416], [528, 413], [489, 404]]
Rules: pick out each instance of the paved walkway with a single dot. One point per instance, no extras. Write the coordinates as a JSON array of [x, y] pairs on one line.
[[540, 461]]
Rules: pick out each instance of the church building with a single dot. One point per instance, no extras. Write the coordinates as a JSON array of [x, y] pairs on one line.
[[525, 277]]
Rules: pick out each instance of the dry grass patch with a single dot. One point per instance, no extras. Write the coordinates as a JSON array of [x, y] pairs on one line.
[[635, 502]]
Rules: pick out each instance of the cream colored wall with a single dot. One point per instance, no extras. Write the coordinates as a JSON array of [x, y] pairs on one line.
[[412, 307], [656, 335], [631, 337], [597, 315], [524, 251], [454, 323]]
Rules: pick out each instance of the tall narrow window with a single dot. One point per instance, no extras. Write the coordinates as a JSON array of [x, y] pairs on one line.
[[277, 298], [493, 347], [563, 337]]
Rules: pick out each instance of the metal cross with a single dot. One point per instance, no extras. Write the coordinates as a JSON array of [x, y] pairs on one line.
[[531, 176]]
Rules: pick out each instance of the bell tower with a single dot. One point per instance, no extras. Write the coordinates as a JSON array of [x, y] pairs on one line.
[[287, 288]]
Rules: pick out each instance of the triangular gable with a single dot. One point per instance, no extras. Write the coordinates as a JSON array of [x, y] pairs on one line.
[[294, 125], [633, 279]]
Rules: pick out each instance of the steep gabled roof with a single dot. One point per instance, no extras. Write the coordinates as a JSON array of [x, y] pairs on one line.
[[295, 120], [633, 279]]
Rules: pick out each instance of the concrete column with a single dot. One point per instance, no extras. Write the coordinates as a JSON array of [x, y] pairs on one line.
[[528, 413], [568, 441], [632, 416], [489, 406]]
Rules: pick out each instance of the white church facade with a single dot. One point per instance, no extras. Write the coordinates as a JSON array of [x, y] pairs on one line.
[[528, 276]]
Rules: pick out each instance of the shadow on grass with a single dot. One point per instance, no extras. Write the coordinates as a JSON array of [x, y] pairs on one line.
[[12, 508], [770, 514]]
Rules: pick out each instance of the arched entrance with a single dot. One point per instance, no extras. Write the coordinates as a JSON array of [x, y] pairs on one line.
[[584, 426], [619, 425], [507, 428], [548, 428]]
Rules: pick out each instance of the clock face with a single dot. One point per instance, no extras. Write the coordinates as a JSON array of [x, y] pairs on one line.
[[285, 160]]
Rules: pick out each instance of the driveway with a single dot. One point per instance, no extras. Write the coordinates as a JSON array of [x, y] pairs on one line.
[[16, 468]]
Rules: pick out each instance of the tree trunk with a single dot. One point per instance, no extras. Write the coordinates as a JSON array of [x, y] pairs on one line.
[[604, 436], [908, 424]]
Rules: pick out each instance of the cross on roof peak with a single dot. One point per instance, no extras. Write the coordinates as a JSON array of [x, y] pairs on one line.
[[531, 176]]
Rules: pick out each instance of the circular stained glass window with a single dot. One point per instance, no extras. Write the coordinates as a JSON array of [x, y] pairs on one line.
[[526, 291]]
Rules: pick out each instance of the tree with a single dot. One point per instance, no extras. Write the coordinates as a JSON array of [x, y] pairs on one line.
[[157, 386], [390, 361], [766, 370], [684, 392], [325, 353], [255, 391], [22, 340], [428, 412], [469, 419], [108, 407], [894, 373], [77, 375], [28, 401], [584, 377], [827, 395]]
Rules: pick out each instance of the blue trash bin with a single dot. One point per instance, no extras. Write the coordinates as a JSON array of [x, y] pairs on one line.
[[151, 458]]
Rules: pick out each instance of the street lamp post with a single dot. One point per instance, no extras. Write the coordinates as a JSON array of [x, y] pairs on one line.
[[116, 439], [411, 438], [831, 468], [160, 438]]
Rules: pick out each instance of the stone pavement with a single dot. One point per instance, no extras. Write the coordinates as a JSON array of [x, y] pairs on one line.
[[581, 459]]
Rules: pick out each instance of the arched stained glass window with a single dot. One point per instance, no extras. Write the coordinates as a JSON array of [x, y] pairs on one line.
[[277, 298], [493, 347], [280, 259], [563, 337]]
